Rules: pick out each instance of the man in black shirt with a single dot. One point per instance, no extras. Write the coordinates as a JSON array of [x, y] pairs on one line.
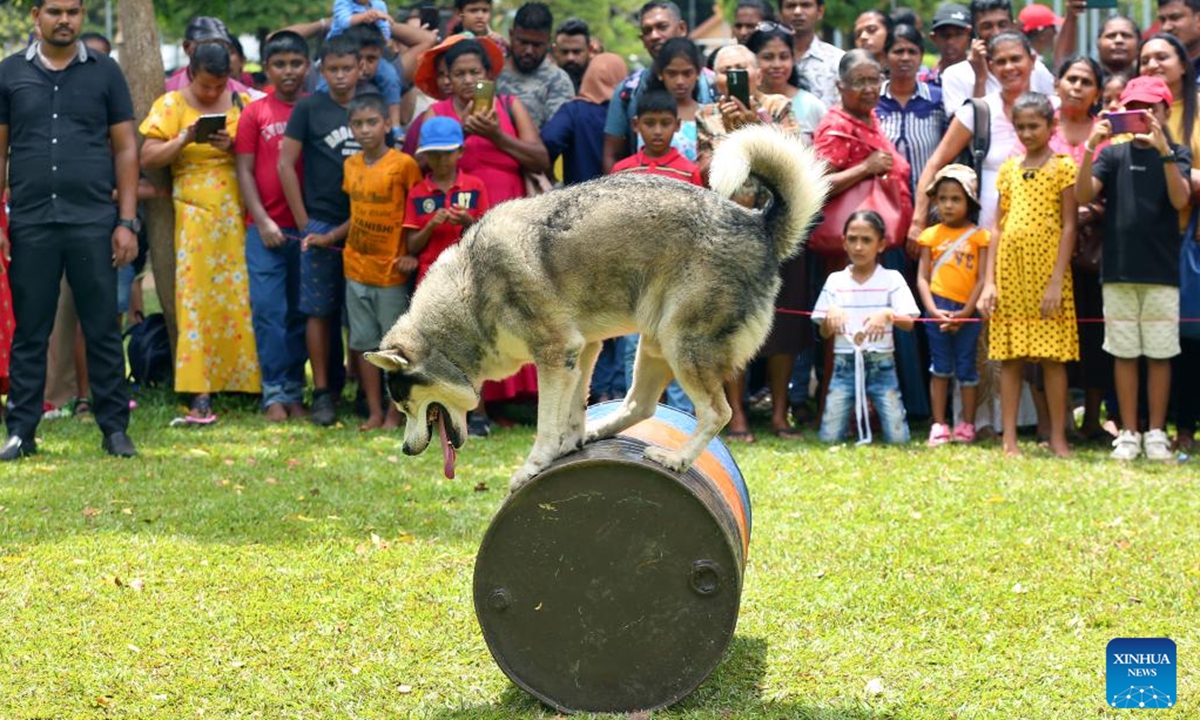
[[66, 140]]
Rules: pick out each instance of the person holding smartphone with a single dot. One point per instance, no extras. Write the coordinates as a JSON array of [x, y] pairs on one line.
[[216, 350], [739, 103]]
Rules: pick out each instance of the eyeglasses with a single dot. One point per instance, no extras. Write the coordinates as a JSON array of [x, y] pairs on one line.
[[860, 84], [768, 26]]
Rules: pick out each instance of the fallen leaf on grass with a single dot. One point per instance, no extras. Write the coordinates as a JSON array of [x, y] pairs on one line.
[[1122, 544], [126, 511], [271, 481], [196, 452], [301, 518], [875, 687], [639, 715], [293, 463], [230, 461], [134, 648], [91, 512], [1019, 589], [405, 689], [481, 487], [237, 663], [103, 700], [994, 499], [393, 459]]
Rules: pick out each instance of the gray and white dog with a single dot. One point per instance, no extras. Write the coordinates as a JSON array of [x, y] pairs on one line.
[[548, 278]]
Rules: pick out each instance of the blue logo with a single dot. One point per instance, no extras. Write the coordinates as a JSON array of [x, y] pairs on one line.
[[1141, 673]]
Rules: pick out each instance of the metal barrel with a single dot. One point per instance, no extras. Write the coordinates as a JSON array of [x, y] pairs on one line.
[[611, 584]]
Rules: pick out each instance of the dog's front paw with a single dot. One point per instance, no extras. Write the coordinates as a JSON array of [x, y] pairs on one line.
[[669, 459], [523, 475]]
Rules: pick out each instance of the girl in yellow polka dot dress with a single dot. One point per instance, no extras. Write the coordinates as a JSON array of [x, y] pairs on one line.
[[1027, 293]]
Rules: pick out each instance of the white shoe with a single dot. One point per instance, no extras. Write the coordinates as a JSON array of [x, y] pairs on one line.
[[1157, 446], [1127, 446]]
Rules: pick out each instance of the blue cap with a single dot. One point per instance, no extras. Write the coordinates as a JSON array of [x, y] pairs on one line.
[[440, 133]]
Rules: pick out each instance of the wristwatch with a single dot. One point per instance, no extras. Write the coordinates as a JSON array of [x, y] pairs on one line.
[[134, 224]]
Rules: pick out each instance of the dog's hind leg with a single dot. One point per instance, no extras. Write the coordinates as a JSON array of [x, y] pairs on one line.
[[651, 373], [704, 385]]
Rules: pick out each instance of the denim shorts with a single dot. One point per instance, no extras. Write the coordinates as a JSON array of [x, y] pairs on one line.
[[883, 389], [322, 285], [952, 354]]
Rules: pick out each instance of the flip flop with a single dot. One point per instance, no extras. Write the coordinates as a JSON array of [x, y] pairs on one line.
[[742, 436]]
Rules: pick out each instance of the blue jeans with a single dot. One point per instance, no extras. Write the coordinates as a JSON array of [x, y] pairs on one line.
[[953, 354], [608, 376], [676, 397], [275, 313], [883, 388], [125, 278]]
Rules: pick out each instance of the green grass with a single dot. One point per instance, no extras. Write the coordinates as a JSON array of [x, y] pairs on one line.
[[254, 571]]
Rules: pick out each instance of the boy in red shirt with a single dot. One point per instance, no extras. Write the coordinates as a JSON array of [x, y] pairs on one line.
[[272, 250], [447, 201], [657, 122]]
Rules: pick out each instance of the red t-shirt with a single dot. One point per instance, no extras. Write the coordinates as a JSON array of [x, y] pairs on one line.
[[426, 198], [670, 165], [260, 133]]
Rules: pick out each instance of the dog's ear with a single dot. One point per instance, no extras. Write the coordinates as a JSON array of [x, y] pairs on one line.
[[388, 360]]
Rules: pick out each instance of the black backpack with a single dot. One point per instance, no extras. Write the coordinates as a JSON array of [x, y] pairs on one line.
[[981, 139], [149, 351]]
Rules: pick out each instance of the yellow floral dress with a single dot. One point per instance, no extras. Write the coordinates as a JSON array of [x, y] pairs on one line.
[[216, 350], [1031, 200]]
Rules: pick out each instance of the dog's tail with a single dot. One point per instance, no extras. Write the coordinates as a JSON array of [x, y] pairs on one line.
[[794, 174]]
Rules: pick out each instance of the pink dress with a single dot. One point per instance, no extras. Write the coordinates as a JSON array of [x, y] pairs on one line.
[[501, 174]]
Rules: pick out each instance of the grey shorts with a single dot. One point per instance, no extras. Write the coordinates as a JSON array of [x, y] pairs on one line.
[[372, 311]]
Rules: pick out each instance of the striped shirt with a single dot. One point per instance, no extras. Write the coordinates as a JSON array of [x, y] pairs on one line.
[[916, 128], [885, 289]]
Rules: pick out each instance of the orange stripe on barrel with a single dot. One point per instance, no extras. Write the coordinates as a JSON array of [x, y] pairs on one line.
[[658, 433]]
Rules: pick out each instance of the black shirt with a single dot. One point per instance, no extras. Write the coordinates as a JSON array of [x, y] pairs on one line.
[[1141, 227], [60, 159], [322, 128]]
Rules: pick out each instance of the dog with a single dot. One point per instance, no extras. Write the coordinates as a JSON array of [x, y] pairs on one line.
[[548, 278]]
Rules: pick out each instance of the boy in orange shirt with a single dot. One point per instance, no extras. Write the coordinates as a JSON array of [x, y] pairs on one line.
[[375, 261]]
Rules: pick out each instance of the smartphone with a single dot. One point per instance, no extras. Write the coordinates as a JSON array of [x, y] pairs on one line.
[[1132, 121], [209, 125], [738, 82], [1101, 4], [431, 17], [485, 96]]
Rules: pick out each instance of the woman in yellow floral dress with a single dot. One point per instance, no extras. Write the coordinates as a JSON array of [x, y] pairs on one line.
[[216, 350]]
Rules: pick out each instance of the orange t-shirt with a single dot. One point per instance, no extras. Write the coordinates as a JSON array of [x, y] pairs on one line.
[[378, 193], [956, 278]]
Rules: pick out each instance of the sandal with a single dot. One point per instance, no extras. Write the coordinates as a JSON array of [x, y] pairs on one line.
[[742, 436], [201, 412], [81, 406]]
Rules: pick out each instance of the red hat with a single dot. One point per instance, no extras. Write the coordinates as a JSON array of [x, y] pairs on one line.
[[425, 76], [1035, 17], [1149, 89]]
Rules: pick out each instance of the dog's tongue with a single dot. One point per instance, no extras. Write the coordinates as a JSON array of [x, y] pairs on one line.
[[448, 451]]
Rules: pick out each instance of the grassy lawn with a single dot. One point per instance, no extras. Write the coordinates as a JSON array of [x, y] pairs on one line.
[[254, 571]]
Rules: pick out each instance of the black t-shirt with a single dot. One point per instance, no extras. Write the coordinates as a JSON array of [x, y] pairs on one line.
[[60, 156], [1141, 227], [323, 129]]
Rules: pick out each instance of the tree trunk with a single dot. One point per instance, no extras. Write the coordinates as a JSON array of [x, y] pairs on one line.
[[142, 63]]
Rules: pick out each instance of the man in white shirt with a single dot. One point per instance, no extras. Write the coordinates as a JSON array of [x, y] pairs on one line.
[[971, 77], [816, 59]]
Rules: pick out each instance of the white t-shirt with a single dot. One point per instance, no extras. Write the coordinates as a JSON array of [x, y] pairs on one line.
[[958, 84], [884, 289]]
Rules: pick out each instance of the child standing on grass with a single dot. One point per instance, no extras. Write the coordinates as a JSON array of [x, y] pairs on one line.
[[858, 307], [948, 281], [1028, 292], [375, 262], [1144, 184], [447, 201]]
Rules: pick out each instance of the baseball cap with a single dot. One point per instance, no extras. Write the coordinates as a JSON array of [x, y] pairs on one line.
[[961, 173], [1035, 17], [440, 133], [951, 14], [201, 28], [1150, 89]]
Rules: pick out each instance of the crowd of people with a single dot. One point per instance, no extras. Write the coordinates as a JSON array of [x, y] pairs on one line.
[[1022, 214]]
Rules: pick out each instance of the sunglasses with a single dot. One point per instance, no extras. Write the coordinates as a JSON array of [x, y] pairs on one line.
[[768, 26]]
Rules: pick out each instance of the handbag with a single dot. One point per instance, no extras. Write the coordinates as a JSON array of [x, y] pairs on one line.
[[1089, 243], [882, 195]]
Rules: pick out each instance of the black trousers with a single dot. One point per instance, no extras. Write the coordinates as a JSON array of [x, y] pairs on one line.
[[40, 255]]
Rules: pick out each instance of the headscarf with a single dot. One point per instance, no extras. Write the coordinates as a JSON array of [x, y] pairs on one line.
[[604, 73]]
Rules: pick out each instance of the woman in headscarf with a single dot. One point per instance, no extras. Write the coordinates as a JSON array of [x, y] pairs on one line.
[[576, 131]]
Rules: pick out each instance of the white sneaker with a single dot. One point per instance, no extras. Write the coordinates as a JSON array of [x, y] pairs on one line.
[[1127, 446], [1157, 446]]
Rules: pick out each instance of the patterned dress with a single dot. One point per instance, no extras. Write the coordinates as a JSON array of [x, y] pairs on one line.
[[1030, 200], [216, 349]]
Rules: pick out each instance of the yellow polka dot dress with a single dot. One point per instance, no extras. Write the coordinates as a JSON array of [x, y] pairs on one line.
[[1031, 201]]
